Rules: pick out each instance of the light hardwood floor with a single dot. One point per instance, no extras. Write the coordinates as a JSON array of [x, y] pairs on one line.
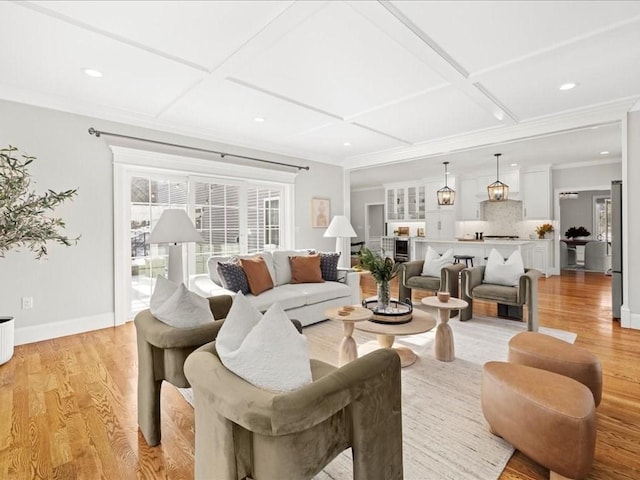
[[68, 405]]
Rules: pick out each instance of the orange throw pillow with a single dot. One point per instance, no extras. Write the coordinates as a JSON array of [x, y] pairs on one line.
[[306, 269], [257, 274]]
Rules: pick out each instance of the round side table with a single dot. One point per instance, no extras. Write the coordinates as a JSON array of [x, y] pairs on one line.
[[348, 349], [444, 347]]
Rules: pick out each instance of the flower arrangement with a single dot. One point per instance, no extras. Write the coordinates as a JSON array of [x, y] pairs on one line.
[[541, 230], [382, 269], [574, 232]]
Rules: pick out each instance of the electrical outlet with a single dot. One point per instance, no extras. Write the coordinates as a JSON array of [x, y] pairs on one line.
[[27, 303]]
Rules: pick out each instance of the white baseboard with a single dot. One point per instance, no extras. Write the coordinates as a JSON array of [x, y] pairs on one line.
[[629, 319], [63, 328]]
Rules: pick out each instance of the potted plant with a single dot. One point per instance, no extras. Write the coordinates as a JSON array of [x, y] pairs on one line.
[[383, 270], [543, 229], [24, 222], [575, 232]]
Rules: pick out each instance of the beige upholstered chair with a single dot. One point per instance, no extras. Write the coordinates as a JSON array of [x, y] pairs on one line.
[[162, 350], [242, 430], [567, 255], [411, 277], [525, 294], [595, 257]]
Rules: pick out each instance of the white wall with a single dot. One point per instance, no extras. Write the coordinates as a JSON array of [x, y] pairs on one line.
[[73, 288], [631, 225]]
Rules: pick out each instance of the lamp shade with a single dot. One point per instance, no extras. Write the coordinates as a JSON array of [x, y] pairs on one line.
[[174, 226], [340, 227]]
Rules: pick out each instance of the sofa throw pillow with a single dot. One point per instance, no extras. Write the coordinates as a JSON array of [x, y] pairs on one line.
[[232, 276], [433, 262], [306, 269], [265, 350], [161, 292], [501, 272], [184, 309], [282, 265], [257, 274], [329, 266]]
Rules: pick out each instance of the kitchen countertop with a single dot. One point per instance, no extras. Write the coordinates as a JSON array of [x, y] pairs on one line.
[[492, 241]]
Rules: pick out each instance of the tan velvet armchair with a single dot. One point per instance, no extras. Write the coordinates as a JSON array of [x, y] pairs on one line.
[[410, 277], [525, 294], [242, 430], [162, 350]]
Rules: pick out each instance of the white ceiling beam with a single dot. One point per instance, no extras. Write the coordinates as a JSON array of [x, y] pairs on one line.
[[580, 118], [390, 20]]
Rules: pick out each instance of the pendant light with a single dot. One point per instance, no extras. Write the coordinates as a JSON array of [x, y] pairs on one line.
[[498, 191], [446, 196]]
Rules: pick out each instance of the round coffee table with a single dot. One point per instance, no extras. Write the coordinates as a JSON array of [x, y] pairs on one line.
[[386, 333], [348, 350], [444, 348]]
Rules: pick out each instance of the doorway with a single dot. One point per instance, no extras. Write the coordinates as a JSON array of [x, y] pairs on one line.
[[373, 226], [587, 207]]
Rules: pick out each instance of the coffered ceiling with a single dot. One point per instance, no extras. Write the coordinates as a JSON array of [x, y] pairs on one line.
[[353, 83]]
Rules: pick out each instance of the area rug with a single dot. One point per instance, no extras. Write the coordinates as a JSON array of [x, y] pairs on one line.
[[445, 435]]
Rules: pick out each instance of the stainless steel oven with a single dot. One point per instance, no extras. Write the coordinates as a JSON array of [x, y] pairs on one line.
[[401, 250]]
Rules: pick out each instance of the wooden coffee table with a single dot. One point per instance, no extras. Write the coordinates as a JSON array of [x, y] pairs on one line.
[[386, 333], [444, 347], [348, 350]]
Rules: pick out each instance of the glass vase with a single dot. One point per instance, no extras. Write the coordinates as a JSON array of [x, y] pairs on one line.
[[384, 296]]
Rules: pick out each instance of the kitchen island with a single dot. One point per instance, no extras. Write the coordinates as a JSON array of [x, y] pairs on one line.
[[479, 249]]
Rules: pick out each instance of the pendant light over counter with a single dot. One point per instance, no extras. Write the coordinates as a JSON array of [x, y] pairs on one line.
[[498, 191], [446, 196]]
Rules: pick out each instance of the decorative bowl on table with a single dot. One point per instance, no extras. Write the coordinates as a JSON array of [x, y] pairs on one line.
[[444, 296]]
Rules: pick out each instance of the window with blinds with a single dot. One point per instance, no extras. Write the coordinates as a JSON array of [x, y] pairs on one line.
[[149, 198]]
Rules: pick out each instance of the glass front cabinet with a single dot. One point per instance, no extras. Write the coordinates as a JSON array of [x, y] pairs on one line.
[[405, 203]]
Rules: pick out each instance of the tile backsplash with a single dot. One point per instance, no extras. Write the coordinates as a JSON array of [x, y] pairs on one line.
[[501, 218]]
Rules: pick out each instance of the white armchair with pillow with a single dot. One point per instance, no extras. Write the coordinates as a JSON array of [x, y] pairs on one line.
[[506, 283]]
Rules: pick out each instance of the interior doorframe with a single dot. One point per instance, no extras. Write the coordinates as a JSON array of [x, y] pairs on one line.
[[556, 226], [366, 220]]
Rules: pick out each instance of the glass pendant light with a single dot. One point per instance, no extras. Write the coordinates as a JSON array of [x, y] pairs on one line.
[[498, 191], [446, 196]]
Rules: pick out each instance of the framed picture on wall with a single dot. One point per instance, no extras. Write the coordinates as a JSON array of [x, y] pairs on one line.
[[320, 212]]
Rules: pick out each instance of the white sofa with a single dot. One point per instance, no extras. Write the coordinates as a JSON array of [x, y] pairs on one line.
[[305, 302]]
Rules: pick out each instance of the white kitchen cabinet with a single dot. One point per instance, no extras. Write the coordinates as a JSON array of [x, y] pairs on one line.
[[536, 195], [440, 225], [405, 203], [431, 194], [542, 256], [466, 196]]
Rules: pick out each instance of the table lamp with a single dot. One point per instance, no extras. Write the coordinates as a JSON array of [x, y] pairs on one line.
[[341, 229], [174, 228]]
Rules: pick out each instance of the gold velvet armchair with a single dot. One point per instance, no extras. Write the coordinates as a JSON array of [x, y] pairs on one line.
[[244, 431], [162, 350], [410, 278], [510, 300]]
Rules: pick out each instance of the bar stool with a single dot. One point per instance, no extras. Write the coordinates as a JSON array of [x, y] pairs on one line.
[[466, 258]]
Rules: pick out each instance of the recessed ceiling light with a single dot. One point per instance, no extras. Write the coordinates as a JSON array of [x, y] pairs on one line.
[[604, 152], [568, 86], [514, 164], [258, 119], [92, 72], [347, 144]]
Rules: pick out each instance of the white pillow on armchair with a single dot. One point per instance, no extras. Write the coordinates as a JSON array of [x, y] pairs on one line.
[[433, 262]]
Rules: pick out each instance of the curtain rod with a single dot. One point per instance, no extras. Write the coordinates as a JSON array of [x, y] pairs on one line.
[[98, 133]]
